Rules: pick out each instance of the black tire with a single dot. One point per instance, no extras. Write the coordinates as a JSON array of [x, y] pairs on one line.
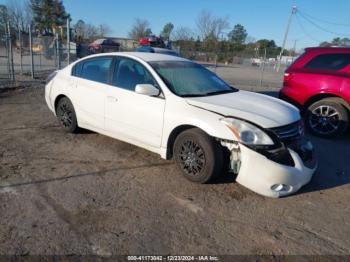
[[327, 118], [198, 156], [66, 115]]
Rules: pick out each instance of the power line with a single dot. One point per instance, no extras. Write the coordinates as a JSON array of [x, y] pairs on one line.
[[323, 21], [305, 32], [320, 27], [293, 12]]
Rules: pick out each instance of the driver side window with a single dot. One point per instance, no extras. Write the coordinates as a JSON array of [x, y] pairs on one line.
[[129, 73]]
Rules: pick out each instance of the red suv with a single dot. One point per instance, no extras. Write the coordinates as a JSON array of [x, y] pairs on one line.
[[318, 82]]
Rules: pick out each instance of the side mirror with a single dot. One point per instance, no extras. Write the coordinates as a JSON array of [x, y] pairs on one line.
[[147, 89]]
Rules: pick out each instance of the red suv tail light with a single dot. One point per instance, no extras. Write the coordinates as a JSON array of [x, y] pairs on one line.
[[287, 77]]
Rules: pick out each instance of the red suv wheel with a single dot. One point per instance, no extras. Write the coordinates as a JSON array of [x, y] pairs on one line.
[[327, 118]]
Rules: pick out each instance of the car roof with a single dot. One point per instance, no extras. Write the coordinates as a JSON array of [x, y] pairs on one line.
[[328, 48], [147, 57]]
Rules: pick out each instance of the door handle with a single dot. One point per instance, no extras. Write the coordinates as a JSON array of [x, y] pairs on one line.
[[112, 98]]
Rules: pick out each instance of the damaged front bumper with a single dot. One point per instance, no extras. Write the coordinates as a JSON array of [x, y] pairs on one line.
[[274, 174]]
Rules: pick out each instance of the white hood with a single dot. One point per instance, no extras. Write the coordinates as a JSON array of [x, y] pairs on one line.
[[263, 110]]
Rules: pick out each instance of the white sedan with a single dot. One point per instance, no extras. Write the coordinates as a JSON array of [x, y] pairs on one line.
[[177, 108]]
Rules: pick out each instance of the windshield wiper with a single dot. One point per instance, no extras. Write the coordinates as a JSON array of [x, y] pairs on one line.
[[220, 92], [210, 93]]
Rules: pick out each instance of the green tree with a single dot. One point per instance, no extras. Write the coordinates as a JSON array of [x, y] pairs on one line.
[[336, 42], [271, 47], [48, 15], [341, 41], [148, 32], [325, 44], [166, 32], [265, 43], [238, 35]]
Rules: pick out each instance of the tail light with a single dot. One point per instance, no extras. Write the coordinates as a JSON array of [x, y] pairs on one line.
[[144, 41], [286, 79], [51, 76]]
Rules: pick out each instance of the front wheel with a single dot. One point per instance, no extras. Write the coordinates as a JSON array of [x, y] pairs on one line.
[[327, 118], [198, 156]]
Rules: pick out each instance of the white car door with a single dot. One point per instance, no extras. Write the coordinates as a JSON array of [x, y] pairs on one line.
[[131, 115], [92, 76]]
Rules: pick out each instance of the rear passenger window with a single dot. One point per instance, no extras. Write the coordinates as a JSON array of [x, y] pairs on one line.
[[96, 69], [77, 69], [329, 62]]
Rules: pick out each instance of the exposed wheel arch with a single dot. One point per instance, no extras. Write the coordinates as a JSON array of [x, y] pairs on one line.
[[172, 137], [58, 98], [318, 97]]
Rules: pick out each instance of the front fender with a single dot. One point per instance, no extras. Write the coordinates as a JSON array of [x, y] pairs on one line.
[[187, 115]]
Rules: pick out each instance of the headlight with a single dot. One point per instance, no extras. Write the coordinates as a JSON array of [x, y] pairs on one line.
[[247, 133]]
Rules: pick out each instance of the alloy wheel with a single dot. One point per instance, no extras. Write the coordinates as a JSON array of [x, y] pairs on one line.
[[192, 157], [65, 115], [324, 119]]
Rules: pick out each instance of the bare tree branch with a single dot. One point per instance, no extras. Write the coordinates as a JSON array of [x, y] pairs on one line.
[[210, 26], [19, 13], [139, 29], [183, 33]]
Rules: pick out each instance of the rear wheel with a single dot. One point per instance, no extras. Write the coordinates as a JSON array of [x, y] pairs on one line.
[[198, 156], [66, 115], [327, 118]]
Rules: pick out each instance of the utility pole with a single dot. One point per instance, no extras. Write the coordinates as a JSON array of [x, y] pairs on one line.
[[20, 48], [294, 49], [68, 41], [263, 68], [58, 52], [295, 46], [294, 10], [31, 51], [12, 68]]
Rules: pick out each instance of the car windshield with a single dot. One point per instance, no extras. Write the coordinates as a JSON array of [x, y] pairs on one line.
[[189, 79]]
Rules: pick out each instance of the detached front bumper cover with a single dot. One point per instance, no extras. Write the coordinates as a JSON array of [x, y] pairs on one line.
[[269, 178]]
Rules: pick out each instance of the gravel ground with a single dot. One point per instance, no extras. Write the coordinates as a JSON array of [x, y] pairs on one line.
[[90, 194]]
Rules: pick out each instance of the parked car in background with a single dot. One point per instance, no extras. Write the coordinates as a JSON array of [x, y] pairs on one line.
[[104, 45], [153, 44], [153, 41], [318, 82], [164, 51], [177, 108], [256, 61]]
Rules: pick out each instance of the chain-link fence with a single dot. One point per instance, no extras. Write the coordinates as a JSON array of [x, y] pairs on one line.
[[6, 53], [256, 66], [254, 58], [27, 52], [36, 53]]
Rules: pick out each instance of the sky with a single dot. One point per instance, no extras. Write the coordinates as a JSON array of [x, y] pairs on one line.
[[262, 18]]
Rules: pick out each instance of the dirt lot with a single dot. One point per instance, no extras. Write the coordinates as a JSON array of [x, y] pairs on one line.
[[90, 194]]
